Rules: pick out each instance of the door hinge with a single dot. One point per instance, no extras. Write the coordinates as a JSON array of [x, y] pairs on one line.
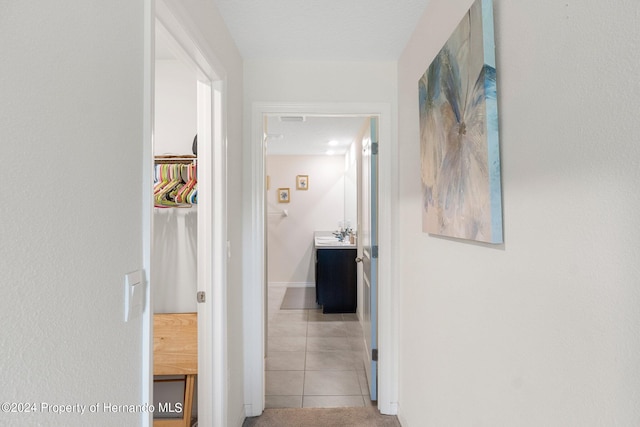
[[374, 354], [374, 251], [374, 148], [201, 296]]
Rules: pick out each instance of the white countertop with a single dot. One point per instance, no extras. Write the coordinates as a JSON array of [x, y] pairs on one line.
[[326, 240]]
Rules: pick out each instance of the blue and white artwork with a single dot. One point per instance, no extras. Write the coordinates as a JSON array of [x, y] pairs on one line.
[[459, 144]]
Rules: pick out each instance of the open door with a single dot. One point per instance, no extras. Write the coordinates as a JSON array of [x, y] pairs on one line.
[[369, 256], [206, 248]]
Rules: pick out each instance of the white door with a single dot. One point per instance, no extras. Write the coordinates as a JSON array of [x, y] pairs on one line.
[[369, 256]]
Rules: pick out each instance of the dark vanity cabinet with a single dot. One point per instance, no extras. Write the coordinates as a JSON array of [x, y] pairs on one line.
[[336, 280]]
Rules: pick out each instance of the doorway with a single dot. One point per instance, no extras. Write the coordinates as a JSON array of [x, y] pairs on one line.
[[255, 280], [314, 355], [207, 273], [175, 232]]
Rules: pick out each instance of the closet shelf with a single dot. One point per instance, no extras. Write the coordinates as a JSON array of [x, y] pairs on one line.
[[176, 159]]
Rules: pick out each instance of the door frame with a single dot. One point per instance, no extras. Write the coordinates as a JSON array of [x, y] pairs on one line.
[[212, 215], [254, 243]]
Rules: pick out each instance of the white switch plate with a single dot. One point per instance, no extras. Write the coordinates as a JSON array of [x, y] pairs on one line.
[[133, 295]]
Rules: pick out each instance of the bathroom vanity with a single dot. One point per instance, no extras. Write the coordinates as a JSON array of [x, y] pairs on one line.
[[335, 274]]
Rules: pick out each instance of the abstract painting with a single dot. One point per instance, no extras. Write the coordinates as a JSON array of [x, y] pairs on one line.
[[459, 145]]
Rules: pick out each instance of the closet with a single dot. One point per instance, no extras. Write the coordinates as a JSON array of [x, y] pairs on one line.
[[174, 233]]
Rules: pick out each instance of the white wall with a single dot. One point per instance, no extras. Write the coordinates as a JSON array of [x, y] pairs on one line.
[[545, 329], [174, 259], [291, 257], [175, 107], [71, 132], [316, 81]]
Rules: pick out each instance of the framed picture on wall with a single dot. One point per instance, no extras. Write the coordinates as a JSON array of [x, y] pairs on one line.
[[302, 182], [283, 195], [459, 144]]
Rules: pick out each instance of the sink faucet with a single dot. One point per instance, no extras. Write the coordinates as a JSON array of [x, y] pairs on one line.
[[342, 234]]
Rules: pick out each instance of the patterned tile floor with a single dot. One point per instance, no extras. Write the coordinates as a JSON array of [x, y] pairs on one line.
[[313, 359]]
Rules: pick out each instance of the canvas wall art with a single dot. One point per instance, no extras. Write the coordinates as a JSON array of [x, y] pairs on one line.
[[459, 143]]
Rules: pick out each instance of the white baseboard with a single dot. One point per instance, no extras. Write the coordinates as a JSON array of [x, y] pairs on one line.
[[292, 284], [248, 411]]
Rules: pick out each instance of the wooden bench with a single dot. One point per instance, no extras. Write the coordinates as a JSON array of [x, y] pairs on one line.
[[175, 352]]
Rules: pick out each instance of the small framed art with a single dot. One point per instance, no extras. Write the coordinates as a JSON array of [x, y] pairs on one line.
[[302, 182], [283, 195]]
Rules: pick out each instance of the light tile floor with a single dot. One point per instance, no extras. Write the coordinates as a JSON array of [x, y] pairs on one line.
[[313, 359]]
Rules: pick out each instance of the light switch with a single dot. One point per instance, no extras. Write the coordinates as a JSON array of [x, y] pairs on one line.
[[133, 295]]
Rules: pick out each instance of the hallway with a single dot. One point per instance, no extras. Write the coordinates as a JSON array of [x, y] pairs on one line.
[[314, 371], [506, 332], [313, 359]]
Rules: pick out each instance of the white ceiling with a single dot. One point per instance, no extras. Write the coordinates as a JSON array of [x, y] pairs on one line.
[[312, 136], [341, 30], [321, 30]]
